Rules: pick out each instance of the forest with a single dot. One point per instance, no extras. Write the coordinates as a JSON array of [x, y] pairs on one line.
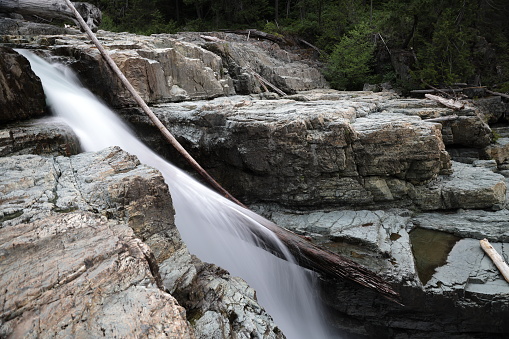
[[409, 44]]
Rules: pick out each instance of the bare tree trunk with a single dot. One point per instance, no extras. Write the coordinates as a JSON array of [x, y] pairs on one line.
[[53, 9]]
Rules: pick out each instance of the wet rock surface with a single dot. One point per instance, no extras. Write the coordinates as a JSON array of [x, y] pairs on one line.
[[44, 136]]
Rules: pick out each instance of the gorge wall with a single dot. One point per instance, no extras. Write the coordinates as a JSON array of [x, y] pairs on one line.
[[360, 173]]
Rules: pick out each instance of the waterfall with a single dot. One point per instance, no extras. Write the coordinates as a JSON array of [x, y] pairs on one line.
[[213, 228]]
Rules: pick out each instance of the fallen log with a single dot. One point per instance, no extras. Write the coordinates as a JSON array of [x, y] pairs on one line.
[[446, 118], [496, 258], [325, 262], [307, 254], [451, 103], [53, 9], [264, 82], [503, 95], [254, 33], [431, 91]]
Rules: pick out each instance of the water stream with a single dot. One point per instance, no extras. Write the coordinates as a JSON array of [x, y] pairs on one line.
[[213, 228]]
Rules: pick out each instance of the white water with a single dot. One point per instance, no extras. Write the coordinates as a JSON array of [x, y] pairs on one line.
[[212, 227]]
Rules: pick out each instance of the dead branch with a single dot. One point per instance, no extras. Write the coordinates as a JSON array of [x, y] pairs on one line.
[[450, 103], [312, 46], [503, 95]]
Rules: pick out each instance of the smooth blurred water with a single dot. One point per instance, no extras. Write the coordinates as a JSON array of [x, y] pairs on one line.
[[214, 228]]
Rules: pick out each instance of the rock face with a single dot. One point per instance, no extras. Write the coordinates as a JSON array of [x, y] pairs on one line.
[[443, 290], [166, 68], [243, 58], [113, 285], [342, 149], [81, 286], [21, 94], [304, 159]]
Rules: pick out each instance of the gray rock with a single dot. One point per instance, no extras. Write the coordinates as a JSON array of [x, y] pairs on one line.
[[476, 224], [445, 306], [325, 152], [499, 150], [467, 187], [104, 222], [44, 136], [94, 280]]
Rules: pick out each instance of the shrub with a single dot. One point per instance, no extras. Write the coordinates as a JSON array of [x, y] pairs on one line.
[[349, 65]]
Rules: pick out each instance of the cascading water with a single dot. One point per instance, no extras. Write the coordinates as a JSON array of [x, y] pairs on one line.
[[213, 228]]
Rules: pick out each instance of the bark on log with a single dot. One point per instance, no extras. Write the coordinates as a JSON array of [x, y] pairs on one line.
[[53, 9], [496, 258], [307, 254]]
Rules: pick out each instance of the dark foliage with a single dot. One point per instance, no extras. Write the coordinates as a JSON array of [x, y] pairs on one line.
[[450, 40]]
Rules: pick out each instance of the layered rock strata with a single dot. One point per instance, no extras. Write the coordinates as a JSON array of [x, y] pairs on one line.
[[104, 225]]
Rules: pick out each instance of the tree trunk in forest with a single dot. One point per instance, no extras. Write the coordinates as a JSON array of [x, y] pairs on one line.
[[276, 10], [412, 32], [53, 9]]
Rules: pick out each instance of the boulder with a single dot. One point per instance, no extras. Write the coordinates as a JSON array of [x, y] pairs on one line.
[[499, 150], [111, 252], [21, 93], [48, 136]]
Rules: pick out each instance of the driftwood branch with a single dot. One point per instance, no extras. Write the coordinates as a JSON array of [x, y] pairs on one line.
[[312, 46], [496, 258], [307, 254], [264, 82], [451, 103], [54, 9], [148, 111]]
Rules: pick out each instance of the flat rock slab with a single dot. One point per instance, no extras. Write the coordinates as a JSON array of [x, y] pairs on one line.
[[467, 187], [324, 152]]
